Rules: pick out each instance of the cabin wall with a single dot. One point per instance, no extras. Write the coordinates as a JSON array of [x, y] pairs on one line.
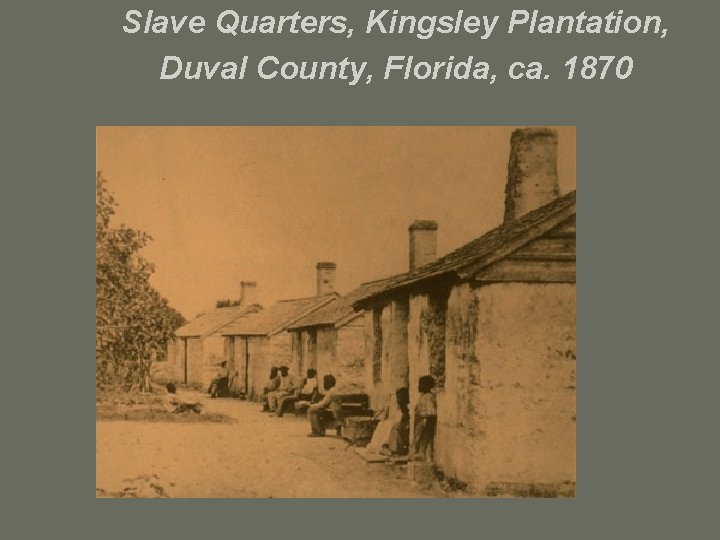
[[280, 351], [386, 351], [296, 366], [395, 346], [258, 365], [506, 417], [426, 338], [418, 346], [526, 341], [373, 357], [460, 424], [350, 357], [195, 361], [304, 351], [326, 353]]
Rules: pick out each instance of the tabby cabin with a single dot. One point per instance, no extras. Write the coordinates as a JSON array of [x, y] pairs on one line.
[[256, 343], [198, 347], [332, 341], [494, 323]]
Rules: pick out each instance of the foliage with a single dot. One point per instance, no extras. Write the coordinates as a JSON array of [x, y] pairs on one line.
[[133, 321]]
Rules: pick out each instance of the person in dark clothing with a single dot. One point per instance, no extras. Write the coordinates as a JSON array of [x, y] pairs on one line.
[[221, 383], [271, 386], [317, 412]]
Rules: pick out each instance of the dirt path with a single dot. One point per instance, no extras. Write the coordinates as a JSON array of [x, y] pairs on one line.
[[256, 456]]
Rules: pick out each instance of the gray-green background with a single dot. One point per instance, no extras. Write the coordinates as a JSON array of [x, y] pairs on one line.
[[647, 297]]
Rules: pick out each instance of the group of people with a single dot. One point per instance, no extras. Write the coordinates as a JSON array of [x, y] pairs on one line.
[[304, 394], [283, 388], [393, 430], [391, 434]]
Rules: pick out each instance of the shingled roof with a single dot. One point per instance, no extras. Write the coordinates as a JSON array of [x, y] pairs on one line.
[[275, 318], [341, 310], [209, 322], [485, 250]]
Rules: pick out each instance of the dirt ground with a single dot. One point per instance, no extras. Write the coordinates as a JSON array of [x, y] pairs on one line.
[[253, 456]]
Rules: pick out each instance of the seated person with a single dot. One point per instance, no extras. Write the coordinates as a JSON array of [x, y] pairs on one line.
[[271, 386], [174, 404], [306, 390], [317, 412], [399, 439], [286, 386], [221, 380], [392, 434]]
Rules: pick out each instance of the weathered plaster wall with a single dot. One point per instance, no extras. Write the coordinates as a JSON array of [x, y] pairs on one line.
[[373, 358], [325, 363], [309, 341], [426, 339], [309, 359], [526, 343], [195, 361], [418, 349], [258, 365], [395, 346], [265, 352], [296, 366], [280, 350], [507, 413], [458, 430], [304, 355], [350, 357], [385, 363], [341, 352]]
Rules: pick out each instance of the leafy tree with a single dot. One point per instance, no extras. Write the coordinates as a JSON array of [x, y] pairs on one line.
[[133, 321]]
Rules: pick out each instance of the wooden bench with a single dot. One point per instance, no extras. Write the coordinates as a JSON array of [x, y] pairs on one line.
[[350, 404], [346, 406]]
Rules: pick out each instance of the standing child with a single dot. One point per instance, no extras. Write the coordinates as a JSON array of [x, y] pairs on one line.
[[425, 419]]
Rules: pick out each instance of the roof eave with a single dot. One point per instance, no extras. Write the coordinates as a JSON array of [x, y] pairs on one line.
[[348, 318], [306, 326], [468, 270], [244, 334], [287, 324]]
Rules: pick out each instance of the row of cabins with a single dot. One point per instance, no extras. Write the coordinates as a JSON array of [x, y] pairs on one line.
[[493, 322]]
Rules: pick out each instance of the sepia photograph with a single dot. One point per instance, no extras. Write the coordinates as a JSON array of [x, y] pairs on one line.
[[335, 312]]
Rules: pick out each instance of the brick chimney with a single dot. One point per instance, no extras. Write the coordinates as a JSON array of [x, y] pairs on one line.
[[248, 293], [423, 242], [325, 278], [532, 171]]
